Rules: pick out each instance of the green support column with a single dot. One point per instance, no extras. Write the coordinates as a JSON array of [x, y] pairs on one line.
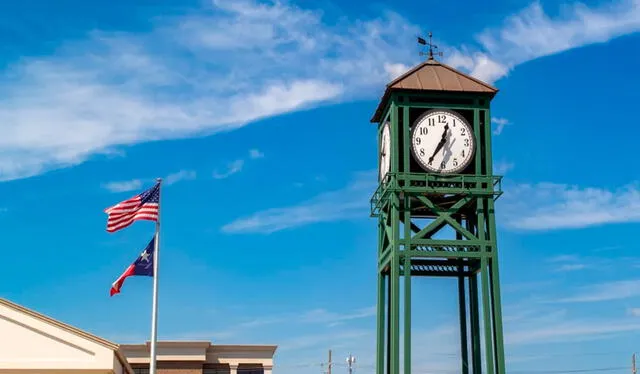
[[407, 281], [486, 311], [388, 322], [464, 347], [407, 315], [380, 324], [495, 292], [493, 263], [474, 317], [395, 287], [497, 316]]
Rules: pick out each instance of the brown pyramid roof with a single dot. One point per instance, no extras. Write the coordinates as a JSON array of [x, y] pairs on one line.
[[433, 75]]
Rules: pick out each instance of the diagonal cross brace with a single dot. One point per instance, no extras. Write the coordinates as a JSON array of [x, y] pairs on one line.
[[444, 217]]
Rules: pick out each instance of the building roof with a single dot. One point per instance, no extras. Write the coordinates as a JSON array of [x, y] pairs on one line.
[[74, 330], [202, 344], [202, 352], [432, 75]]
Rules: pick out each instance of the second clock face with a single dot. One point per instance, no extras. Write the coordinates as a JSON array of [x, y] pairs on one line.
[[442, 142]]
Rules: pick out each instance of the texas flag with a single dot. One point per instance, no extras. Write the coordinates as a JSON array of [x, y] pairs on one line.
[[143, 265]]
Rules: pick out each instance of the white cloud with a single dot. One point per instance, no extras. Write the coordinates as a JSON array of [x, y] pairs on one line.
[[138, 184], [565, 263], [502, 167], [315, 316], [244, 61], [332, 318], [349, 202], [209, 70], [233, 168], [255, 153], [532, 34], [124, 186], [550, 206], [608, 291], [236, 166], [634, 312], [181, 175], [569, 330], [395, 70], [500, 124], [572, 267]]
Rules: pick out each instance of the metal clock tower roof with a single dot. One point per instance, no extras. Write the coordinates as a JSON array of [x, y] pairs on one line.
[[432, 75]]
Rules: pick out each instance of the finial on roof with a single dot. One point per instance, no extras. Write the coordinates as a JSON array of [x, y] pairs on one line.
[[432, 46]]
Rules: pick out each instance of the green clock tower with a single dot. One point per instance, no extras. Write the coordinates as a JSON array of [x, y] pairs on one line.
[[435, 210]]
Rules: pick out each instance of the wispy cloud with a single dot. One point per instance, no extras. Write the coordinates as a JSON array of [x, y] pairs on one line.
[[236, 166], [315, 316], [500, 124], [565, 263], [333, 319], [137, 184], [179, 176], [255, 153], [551, 206], [572, 267], [568, 330], [346, 203], [123, 186], [503, 167], [531, 34], [308, 321], [608, 291], [116, 89], [188, 76], [232, 168]]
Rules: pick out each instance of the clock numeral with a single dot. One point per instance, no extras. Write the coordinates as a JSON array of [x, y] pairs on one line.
[[442, 118], [454, 123], [431, 121], [421, 151], [418, 140], [463, 131], [455, 161], [462, 153], [443, 165], [466, 142], [424, 130]]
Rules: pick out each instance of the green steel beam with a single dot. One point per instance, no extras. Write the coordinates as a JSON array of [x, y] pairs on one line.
[[380, 324]]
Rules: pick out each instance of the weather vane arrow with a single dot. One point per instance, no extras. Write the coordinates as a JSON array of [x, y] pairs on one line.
[[431, 46]]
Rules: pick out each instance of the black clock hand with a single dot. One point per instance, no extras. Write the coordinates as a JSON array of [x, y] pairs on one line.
[[439, 146]]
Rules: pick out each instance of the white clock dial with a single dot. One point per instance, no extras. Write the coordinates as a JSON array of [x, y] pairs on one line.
[[442, 141], [385, 151]]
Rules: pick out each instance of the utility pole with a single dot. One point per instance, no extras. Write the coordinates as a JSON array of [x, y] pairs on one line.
[[633, 363], [330, 363], [350, 361]]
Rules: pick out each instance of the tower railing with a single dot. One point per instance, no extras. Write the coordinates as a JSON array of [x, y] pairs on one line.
[[425, 184]]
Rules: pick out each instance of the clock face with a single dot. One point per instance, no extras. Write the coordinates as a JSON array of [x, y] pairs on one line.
[[385, 151], [442, 141]]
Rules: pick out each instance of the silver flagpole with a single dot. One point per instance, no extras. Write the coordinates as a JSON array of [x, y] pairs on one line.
[[154, 311]]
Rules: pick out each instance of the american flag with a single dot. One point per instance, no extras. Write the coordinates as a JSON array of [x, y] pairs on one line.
[[140, 207]]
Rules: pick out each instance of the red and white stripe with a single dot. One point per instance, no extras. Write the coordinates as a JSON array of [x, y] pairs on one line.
[[117, 285], [125, 213]]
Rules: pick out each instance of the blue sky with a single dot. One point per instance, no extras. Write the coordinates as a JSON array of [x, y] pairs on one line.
[[257, 116]]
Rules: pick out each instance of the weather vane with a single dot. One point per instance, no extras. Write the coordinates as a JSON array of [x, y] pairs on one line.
[[432, 46]]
